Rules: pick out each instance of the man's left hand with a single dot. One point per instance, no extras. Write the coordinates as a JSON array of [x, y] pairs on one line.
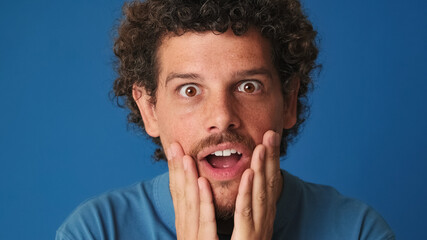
[[259, 190]]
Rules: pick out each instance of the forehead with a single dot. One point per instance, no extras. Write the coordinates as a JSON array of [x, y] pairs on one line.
[[208, 51]]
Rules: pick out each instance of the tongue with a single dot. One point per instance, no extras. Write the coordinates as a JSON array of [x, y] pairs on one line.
[[223, 162]]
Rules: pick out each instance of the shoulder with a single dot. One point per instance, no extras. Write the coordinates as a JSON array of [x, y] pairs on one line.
[[117, 214], [327, 212]]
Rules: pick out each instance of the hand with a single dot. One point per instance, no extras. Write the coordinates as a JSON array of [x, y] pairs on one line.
[[259, 190], [192, 197]]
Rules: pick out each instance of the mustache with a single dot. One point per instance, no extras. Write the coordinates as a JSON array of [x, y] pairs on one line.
[[219, 138]]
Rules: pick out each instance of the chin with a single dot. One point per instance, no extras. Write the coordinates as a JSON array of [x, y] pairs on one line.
[[224, 196]]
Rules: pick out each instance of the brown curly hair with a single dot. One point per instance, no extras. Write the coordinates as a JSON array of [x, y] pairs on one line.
[[282, 22]]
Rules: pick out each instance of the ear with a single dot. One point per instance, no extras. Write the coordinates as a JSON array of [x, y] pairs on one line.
[[290, 111], [147, 110]]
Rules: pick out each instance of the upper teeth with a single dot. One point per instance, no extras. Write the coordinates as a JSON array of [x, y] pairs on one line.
[[226, 152]]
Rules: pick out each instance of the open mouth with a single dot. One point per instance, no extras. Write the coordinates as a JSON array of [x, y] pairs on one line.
[[224, 162], [227, 158]]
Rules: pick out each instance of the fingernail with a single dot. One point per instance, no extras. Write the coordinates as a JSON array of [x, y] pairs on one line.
[[276, 139], [185, 164], [262, 153], [251, 177]]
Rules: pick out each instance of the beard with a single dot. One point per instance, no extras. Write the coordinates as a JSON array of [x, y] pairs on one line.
[[224, 213], [224, 205]]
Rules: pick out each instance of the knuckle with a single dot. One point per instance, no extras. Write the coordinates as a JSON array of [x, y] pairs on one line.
[[262, 196], [246, 212], [172, 190], [275, 154], [189, 206], [273, 181], [177, 192]]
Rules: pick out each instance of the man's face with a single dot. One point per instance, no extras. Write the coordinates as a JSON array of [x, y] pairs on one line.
[[217, 95]]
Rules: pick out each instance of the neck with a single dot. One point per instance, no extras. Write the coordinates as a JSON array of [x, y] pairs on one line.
[[225, 226]]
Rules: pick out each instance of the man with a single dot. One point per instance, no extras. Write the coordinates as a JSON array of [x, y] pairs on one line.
[[220, 86]]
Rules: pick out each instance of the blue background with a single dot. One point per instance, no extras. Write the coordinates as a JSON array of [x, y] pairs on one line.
[[63, 141]]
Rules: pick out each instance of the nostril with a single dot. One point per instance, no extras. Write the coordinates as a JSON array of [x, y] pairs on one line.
[[219, 129], [221, 117]]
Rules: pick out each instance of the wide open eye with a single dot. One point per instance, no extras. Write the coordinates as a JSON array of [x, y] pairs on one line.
[[189, 90], [249, 86]]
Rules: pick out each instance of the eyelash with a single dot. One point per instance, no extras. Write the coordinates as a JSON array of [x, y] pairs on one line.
[[181, 90], [240, 87], [256, 83]]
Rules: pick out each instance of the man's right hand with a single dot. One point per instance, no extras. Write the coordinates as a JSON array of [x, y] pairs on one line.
[[192, 197]]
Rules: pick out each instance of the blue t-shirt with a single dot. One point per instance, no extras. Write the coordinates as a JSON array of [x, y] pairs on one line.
[[145, 211]]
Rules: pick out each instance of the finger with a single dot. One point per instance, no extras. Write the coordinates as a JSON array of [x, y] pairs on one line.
[[192, 204], [176, 169], [259, 194], [271, 141], [207, 223], [243, 222], [176, 184]]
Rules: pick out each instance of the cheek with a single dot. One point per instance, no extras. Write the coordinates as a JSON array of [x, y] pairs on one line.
[[262, 117], [178, 126], [260, 124], [186, 127]]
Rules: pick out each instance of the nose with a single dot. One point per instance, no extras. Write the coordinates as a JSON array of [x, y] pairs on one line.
[[221, 114]]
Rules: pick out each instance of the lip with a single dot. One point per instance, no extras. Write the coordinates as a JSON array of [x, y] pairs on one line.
[[224, 174]]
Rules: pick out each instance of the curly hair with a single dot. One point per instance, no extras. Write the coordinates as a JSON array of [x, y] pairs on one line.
[[144, 24]]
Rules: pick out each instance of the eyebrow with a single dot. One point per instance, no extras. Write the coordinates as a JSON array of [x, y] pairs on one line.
[[172, 75], [252, 72], [239, 74]]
